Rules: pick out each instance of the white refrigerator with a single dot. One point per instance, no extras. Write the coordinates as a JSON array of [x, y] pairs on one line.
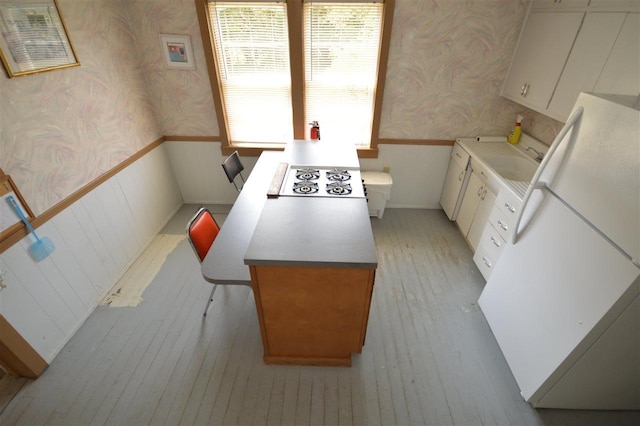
[[563, 301]]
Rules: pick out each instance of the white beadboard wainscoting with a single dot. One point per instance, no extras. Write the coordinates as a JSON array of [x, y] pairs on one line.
[[97, 238], [418, 173], [198, 170]]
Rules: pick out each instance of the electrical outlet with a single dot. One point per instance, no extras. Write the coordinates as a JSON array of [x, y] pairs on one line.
[[2, 275], [386, 169]]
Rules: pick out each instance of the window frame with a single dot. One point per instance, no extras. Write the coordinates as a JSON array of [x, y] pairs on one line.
[[295, 21]]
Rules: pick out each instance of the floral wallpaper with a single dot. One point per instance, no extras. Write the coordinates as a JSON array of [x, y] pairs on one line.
[[62, 129], [182, 97], [447, 62]]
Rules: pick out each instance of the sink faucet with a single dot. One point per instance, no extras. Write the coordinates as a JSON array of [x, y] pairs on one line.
[[540, 155]]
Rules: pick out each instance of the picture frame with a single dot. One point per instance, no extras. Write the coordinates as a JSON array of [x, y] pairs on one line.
[[34, 37], [177, 51]]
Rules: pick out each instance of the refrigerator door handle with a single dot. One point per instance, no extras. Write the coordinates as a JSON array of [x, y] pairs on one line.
[[536, 183]]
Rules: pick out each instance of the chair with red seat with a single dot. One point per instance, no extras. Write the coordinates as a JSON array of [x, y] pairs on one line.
[[202, 230]]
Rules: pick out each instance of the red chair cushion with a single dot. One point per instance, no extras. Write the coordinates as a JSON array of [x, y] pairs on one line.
[[203, 232]]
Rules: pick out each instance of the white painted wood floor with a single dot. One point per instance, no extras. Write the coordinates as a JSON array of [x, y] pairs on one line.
[[429, 357]]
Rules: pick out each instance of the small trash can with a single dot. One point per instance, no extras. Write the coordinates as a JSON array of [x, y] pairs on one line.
[[378, 185]]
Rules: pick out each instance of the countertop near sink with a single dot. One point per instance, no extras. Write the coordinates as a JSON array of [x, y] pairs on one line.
[[487, 152]]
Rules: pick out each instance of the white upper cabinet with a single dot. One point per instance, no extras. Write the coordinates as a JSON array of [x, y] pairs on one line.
[[542, 51], [621, 73], [588, 57], [568, 48]]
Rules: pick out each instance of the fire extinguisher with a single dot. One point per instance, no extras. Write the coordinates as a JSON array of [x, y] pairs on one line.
[[315, 131]]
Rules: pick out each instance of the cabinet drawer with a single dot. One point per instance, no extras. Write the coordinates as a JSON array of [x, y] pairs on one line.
[[500, 222], [492, 242], [460, 156], [485, 261], [508, 204]]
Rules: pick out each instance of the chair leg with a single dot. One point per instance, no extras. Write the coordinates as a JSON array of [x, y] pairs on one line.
[[213, 290]]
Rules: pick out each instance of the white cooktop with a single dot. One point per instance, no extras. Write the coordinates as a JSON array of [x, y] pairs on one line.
[[309, 181]]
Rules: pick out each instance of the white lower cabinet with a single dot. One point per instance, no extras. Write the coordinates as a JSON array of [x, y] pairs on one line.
[[497, 231], [455, 182], [476, 205], [488, 253]]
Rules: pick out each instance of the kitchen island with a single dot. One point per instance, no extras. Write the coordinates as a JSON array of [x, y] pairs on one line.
[[309, 259], [312, 261]]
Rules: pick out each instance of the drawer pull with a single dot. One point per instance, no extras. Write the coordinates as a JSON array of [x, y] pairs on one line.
[[495, 242], [511, 209], [461, 176], [458, 155], [502, 225], [486, 262], [480, 191], [484, 194]]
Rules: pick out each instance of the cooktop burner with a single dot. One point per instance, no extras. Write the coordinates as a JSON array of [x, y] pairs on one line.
[[338, 188], [305, 187], [338, 175], [308, 174]]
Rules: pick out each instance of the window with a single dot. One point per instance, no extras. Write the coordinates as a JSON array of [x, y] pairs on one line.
[[341, 44], [252, 54], [282, 65]]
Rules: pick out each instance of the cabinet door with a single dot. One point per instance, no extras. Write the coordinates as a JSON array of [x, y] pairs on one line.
[[470, 203], [480, 219], [452, 186], [588, 56], [621, 73], [542, 51]]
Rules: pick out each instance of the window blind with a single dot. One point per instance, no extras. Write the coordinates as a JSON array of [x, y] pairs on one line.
[[252, 52], [341, 45]]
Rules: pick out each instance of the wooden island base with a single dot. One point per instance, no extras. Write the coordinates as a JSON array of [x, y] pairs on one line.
[[312, 315]]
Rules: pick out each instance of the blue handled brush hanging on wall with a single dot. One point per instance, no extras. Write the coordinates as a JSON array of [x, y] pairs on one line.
[[42, 247]]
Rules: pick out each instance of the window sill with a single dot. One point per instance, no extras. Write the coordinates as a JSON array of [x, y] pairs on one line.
[[254, 150]]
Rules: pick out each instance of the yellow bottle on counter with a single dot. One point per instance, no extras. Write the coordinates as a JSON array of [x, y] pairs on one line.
[[514, 137]]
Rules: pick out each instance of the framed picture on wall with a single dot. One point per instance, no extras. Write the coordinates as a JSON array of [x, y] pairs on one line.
[[33, 37], [177, 51]]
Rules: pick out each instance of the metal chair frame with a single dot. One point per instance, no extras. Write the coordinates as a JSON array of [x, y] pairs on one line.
[[232, 168]]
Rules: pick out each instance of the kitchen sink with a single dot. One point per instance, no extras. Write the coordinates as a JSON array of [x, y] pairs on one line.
[[512, 167]]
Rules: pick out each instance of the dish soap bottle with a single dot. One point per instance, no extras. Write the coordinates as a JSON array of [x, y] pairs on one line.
[[514, 137]]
